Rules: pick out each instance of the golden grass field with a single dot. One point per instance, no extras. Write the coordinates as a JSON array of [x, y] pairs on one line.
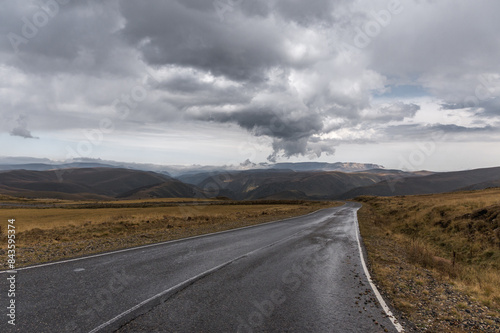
[[453, 237], [72, 229], [50, 218], [17, 200]]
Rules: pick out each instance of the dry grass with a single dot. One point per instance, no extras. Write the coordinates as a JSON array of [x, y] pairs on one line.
[[46, 234], [50, 218], [6, 199], [456, 236]]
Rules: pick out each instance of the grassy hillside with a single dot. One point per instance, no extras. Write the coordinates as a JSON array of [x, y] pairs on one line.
[[116, 183], [93, 183], [434, 183], [264, 184], [424, 248]]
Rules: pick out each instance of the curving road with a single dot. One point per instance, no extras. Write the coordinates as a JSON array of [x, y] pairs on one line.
[[303, 274]]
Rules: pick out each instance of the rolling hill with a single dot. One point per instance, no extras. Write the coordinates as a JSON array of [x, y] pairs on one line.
[[288, 184], [102, 183], [434, 183], [87, 183]]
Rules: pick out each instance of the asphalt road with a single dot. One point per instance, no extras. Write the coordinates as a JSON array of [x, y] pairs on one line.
[[303, 274]]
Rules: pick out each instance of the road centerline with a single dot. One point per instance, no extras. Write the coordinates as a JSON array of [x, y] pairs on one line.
[[186, 283]]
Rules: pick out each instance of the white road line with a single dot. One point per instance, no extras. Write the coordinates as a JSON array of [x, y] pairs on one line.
[[192, 280], [161, 243], [187, 282], [394, 321]]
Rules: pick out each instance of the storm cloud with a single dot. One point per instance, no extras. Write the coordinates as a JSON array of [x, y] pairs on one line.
[[22, 129], [301, 78]]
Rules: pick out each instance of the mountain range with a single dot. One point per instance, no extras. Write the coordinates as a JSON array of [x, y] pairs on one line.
[[26, 163], [319, 181]]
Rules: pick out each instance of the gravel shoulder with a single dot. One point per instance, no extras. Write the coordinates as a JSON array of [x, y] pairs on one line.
[[426, 299]]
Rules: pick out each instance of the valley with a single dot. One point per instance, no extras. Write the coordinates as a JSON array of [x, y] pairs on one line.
[[116, 183]]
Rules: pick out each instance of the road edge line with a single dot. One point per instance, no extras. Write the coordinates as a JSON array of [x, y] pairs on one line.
[[161, 243], [380, 299], [116, 321]]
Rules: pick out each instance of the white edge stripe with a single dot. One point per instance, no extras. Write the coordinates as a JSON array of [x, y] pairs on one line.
[[394, 321], [193, 279], [158, 244]]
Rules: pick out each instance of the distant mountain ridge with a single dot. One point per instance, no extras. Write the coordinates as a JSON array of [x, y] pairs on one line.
[[45, 167], [323, 166], [177, 171], [109, 182]]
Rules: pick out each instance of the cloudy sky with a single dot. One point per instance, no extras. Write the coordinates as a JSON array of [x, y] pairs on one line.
[[410, 85]]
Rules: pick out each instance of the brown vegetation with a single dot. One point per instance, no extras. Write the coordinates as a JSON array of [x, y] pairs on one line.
[[72, 229], [421, 246]]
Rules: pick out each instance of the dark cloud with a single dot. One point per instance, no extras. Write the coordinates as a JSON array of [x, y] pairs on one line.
[[453, 106], [22, 132], [275, 69], [489, 108], [451, 128], [292, 130], [74, 37], [307, 13], [187, 90], [254, 56], [312, 147], [22, 129], [275, 123], [170, 33]]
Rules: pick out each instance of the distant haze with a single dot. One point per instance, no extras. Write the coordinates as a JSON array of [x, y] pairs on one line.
[[410, 85]]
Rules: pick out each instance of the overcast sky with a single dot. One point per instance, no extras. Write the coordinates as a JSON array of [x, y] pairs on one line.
[[409, 85]]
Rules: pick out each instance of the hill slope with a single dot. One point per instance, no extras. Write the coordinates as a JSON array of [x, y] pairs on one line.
[[435, 183], [106, 183], [96, 183], [268, 184]]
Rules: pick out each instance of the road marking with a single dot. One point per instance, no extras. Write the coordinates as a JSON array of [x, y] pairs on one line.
[[165, 292], [78, 270], [393, 319], [163, 243], [190, 281]]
